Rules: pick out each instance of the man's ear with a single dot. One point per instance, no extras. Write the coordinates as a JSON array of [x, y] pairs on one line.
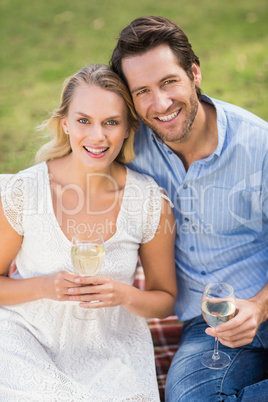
[[197, 74]]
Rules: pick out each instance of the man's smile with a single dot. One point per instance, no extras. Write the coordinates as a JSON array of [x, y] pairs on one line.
[[169, 117]]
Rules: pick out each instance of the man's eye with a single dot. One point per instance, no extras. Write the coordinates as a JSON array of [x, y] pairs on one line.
[[169, 82], [83, 121], [112, 122], [142, 91]]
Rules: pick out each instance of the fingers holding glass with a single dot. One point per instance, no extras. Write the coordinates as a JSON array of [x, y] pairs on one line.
[[217, 307]]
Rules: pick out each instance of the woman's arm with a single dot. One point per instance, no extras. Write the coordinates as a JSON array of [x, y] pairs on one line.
[[158, 262], [157, 257], [16, 291]]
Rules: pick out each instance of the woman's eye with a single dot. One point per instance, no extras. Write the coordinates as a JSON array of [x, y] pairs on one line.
[[112, 122], [83, 121]]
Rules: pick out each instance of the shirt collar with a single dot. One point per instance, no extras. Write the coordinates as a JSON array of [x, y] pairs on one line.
[[221, 124]]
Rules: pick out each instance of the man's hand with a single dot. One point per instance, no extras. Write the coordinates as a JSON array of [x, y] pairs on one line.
[[241, 329]]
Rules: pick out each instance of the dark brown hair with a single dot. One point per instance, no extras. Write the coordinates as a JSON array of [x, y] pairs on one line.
[[146, 33]]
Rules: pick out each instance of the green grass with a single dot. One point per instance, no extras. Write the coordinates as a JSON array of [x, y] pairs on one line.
[[43, 42]]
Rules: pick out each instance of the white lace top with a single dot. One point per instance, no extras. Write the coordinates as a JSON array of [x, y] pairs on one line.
[[47, 354]]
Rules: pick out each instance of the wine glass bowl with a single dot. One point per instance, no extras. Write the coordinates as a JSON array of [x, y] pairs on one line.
[[87, 254], [217, 307]]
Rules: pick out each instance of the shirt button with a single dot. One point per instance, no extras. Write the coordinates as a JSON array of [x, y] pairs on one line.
[[192, 248], [170, 152], [185, 186], [203, 273], [186, 219]]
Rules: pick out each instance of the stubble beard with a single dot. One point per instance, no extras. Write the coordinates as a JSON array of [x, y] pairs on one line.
[[172, 137]]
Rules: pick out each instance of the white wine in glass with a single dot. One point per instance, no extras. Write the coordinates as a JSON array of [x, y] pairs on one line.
[[217, 307], [87, 259], [87, 255]]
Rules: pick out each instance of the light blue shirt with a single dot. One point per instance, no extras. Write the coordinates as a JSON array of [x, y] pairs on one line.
[[220, 206]]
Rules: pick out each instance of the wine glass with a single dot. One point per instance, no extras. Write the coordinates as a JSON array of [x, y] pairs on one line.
[[217, 306], [87, 255]]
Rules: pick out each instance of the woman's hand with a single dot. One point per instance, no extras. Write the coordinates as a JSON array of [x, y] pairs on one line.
[[104, 291], [56, 286]]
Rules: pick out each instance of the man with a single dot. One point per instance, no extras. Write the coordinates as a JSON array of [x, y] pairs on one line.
[[212, 158]]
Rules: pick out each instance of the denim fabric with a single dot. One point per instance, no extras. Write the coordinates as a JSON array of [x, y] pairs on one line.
[[189, 381]]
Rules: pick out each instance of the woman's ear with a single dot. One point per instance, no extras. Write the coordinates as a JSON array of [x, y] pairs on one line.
[[65, 126], [127, 133]]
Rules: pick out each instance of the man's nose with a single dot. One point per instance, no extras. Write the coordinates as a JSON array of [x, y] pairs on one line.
[[160, 101]]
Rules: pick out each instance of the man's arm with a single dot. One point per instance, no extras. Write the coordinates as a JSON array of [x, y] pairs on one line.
[[243, 327]]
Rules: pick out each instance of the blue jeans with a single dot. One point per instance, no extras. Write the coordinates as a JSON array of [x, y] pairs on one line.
[[243, 380]]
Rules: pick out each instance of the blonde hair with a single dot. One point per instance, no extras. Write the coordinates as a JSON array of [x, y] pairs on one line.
[[103, 77]]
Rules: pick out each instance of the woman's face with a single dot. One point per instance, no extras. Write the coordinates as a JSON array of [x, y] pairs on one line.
[[97, 125]]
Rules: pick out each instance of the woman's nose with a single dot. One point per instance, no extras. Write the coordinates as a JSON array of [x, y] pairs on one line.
[[96, 132]]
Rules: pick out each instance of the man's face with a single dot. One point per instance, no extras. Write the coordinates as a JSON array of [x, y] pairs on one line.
[[164, 96]]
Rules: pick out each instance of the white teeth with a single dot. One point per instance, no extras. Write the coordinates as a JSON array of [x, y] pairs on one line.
[[95, 151], [169, 117]]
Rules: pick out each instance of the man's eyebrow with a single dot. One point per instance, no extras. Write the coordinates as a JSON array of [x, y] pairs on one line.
[[137, 89], [167, 77]]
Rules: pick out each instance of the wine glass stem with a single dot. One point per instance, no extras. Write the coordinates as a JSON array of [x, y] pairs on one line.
[[216, 355]]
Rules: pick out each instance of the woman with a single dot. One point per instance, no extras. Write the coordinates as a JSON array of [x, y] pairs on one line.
[[47, 353]]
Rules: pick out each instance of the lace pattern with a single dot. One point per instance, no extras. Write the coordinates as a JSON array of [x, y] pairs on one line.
[[12, 201], [48, 354]]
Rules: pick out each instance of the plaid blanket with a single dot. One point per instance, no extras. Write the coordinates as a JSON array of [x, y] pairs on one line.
[[166, 335]]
